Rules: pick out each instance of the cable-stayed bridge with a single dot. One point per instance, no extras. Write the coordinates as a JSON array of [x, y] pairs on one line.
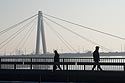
[[28, 36], [39, 68]]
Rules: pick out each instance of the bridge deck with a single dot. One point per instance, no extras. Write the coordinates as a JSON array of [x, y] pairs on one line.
[[62, 76], [74, 70]]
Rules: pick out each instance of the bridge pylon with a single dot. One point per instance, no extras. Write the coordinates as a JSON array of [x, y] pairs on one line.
[[40, 31]]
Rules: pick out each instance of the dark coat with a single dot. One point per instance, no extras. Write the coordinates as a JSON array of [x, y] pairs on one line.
[[56, 57], [96, 56]]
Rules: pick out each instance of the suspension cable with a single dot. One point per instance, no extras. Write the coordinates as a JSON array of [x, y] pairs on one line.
[[15, 34], [60, 37], [86, 27], [28, 35], [77, 34], [13, 26]]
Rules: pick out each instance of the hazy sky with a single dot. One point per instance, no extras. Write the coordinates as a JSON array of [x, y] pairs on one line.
[[103, 15]]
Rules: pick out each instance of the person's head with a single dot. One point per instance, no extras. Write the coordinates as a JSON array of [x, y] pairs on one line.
[[55, 51], [97, 47]]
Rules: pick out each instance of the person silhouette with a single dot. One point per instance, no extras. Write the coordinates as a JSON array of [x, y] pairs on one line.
[[56, 61], [96, 58]]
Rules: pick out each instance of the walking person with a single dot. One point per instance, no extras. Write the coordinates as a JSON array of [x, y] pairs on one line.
[[96, 58], [56, 61]]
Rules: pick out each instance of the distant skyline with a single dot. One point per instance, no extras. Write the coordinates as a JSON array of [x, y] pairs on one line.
[[103, 15]]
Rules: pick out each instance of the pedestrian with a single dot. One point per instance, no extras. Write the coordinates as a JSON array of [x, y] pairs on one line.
[[96, 58], [56, 61]]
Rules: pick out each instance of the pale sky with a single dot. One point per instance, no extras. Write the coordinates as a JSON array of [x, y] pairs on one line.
[[103, 15]]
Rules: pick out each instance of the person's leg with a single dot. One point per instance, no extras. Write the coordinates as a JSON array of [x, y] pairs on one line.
[[59, 67], [54, 67], [94, 67], [99, 67]]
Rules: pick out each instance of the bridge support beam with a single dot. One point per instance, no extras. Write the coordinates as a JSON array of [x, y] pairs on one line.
[[40, 28]]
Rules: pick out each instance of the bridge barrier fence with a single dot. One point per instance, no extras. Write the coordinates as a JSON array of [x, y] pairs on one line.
[[107, 64]]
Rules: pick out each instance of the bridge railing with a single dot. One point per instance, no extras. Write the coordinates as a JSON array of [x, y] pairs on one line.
[[107, 64]]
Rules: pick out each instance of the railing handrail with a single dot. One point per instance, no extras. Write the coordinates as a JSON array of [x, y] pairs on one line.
[[50, 58], [66, 63], [61, 63]]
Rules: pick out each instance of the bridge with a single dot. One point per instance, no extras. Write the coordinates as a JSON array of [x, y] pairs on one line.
[[35, 67], [39, 69], [22, 38]]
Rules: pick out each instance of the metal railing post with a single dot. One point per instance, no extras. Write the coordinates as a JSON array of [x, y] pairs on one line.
[[84, 67], [14, 65], [0, 63], [66, 66], [31, 63], [63, 65], [124, 67]]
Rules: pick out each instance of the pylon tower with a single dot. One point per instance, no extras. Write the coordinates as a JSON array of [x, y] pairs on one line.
[[40, 31]]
